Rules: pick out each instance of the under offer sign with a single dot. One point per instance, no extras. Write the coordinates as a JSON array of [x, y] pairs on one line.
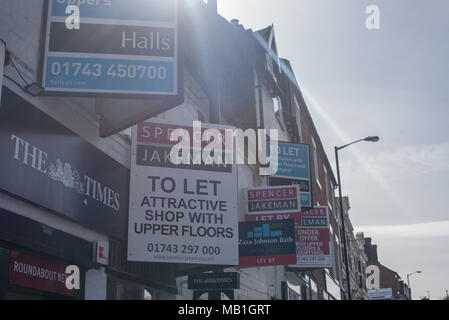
[[313, 242], [312, 234], [273, 200], [183, 213]]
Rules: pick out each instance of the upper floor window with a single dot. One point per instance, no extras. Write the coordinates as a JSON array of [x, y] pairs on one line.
[[315, 163], [277, 108], [326, 182], [277, 105], [298, 117], [333, 202]]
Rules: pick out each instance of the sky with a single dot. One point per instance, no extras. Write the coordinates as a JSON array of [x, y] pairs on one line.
[[390, 82]]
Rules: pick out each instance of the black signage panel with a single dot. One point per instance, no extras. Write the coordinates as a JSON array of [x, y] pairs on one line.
[[267, 243], [112, 39], [214, 281], [45, 163]]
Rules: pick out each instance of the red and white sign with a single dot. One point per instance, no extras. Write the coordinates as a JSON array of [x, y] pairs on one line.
[[182, 213], [313, 241], [37, 273], [273, 216], [102, 252], [273, 200]]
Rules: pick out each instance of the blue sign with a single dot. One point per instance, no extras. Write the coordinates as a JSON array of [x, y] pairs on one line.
[[121, 47], [292, 160], [293, 168], [263, 232]]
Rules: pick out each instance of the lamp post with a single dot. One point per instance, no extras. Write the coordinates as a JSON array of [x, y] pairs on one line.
[[408, 281], [410, 274], [345, 248]]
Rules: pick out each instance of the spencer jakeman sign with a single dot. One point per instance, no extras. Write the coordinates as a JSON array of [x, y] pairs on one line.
[[45, 163], [184, 213], [119, 47]]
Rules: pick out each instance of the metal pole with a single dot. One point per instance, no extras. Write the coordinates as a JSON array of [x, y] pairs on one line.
[[345, 248], [213, 70]]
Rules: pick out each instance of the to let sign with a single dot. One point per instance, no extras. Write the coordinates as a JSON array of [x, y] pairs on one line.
[[184, 213], [36, 273], [121, 47], [293, 169]]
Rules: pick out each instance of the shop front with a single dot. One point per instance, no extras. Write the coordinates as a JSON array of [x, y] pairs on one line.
[[59, 197], [34, 259]]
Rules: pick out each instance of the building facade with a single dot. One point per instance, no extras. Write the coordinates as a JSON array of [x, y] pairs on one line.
[[389, 279], [68, 183]]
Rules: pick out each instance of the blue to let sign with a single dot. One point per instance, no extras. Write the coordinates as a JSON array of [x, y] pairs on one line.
[[121, 47], [293, 160], [293, 168]]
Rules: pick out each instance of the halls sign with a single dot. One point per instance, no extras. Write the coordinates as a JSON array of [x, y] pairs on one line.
[[120, 47]]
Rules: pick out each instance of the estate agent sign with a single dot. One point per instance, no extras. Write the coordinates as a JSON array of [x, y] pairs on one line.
[[184, 213], [313, 242], [293, 169], [119, 47], [267, 243], [273, 200]]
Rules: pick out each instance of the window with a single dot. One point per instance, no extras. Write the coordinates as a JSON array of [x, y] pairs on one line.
[[315, 164], [333, 202], [298, 118], [270, 66], [326, 181], [277, 105], [277, 108]]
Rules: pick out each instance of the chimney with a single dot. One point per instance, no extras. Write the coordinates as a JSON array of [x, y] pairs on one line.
[[235, 22]]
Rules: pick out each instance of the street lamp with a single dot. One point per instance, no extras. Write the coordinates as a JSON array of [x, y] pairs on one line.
[[345, 248], [408, 280]]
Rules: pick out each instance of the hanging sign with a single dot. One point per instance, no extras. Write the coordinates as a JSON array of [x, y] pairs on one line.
[[119, 47], [180, 213], [267, 243], [273, 200], [313, 242], [214, 281], [293, 169]]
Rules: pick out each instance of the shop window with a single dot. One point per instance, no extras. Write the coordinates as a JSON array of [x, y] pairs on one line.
[[118, 289]]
